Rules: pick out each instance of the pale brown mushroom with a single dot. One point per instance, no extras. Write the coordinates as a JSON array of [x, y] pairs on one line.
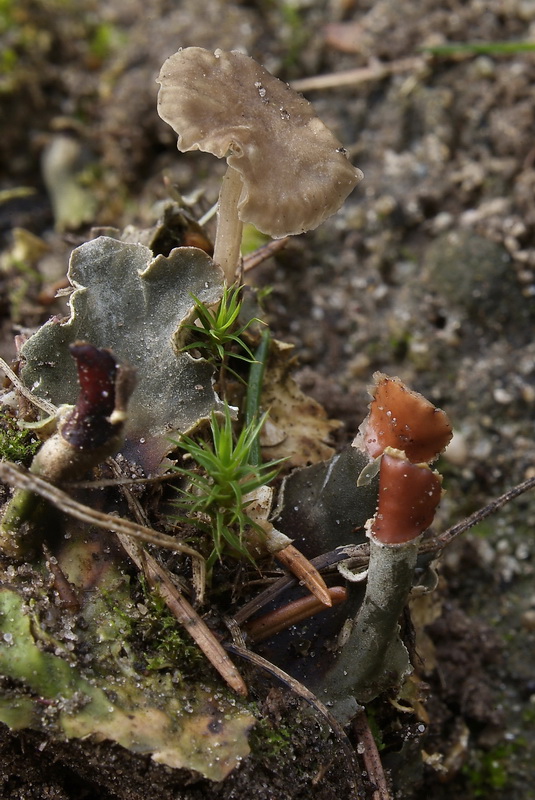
[[286, 171]]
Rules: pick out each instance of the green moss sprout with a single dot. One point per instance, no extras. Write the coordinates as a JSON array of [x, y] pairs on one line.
[[163, 644], [16, 444], [225, 474], [487, 772], [218, 330], [269, 741]]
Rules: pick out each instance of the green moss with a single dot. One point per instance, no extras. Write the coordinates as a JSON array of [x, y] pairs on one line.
[[484, 530], [228, 474], [372, 711], [156, 635], [296, 32], [487, 772], [8, 60], [528, 716], [252, 239], [399, 344], [7, 16], [480, 48], [16, 444], [268, 741], [139, 634], [105, 40]]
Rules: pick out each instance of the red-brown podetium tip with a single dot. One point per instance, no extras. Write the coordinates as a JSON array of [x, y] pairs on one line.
[[89, 426], [404, 420], [408, 498]]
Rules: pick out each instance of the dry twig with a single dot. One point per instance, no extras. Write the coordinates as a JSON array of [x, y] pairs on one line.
[[292, 613], [354, 77], [263, 253], [44, 405], [302, 691], [367, 747], [185, 614], [15, 476]]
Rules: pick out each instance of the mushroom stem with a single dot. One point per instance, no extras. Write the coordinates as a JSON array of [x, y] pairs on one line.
[[229, 226]]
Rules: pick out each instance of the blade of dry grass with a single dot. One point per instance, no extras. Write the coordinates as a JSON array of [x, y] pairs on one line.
[[19, 478], [304, 571], [354, 77], [370, 756], [44, 405]]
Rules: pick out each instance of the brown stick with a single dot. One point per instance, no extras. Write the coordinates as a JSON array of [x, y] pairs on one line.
[[263, 253], [290, 614], [354, 77], [370, 754], [185, 614], [304, 571]]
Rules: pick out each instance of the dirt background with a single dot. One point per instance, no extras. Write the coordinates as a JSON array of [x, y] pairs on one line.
[[426, 273]]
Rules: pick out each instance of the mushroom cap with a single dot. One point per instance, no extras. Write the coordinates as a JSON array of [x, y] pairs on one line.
[[295, 173]]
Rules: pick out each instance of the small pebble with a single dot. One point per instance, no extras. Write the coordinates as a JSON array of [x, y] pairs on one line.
[[528, 620]]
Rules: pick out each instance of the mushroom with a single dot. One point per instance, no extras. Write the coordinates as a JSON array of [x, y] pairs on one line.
[[286, 171]]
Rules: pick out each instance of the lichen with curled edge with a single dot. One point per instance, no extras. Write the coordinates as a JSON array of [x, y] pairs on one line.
[[134, 304]]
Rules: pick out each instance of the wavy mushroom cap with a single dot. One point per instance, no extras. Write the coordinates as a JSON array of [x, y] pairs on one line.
[[295, 173]]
